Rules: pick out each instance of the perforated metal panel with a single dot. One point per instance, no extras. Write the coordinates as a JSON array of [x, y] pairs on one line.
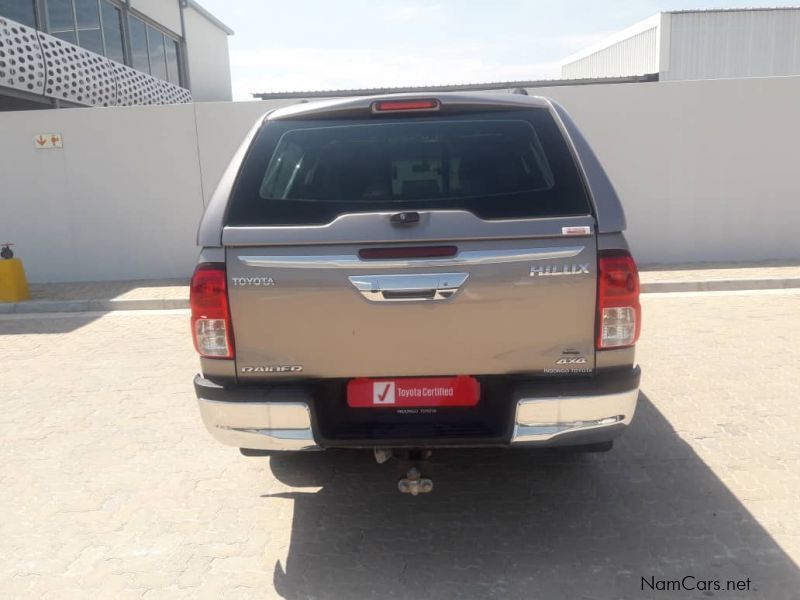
[[21, 60], [135, 87], [77, 75], [38, 63], [174, 94]]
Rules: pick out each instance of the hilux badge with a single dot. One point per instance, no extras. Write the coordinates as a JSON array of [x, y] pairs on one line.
[[554, 270]]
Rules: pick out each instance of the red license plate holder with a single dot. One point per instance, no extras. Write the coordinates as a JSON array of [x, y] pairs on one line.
[[404, 392]]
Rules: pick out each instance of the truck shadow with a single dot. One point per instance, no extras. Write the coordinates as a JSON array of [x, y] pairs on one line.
[[517, 524]]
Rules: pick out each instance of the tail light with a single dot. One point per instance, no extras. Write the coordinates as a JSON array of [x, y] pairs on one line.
[[619, 314], [211, 317]]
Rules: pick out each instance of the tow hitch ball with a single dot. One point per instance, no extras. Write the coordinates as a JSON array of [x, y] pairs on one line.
[[413, 462], [414, 483]]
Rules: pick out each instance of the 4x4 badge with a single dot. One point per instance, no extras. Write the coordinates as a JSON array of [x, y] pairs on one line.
[[573, 360]]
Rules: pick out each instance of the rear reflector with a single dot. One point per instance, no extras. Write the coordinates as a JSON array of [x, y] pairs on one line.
[[407, 252], [404, 105], [211, 319], [619, 314]]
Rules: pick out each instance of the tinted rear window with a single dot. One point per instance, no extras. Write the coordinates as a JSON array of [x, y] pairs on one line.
[[500, 165]]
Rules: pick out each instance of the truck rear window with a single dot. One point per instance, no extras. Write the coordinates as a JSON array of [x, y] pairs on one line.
[[500, 165]]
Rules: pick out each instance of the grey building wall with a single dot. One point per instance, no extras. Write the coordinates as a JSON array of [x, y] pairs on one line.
[[686, 45], [746, 43], [637, 54]]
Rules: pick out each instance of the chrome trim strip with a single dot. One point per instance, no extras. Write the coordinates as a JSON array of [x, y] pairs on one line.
[[435, 226], [351, 261], [543, 419], [275, 439], [409, 288]]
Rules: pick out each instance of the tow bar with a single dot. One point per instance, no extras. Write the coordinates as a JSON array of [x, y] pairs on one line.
[[416, 465]]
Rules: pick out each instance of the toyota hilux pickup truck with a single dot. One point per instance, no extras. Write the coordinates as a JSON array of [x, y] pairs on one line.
[[402, 273]]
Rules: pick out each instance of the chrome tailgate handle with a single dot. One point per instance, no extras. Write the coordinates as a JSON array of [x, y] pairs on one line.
[[405, 288]]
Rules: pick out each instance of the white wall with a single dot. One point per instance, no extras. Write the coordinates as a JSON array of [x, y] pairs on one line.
[[207, 55], [164, 12], [707, 171], [121, 200]]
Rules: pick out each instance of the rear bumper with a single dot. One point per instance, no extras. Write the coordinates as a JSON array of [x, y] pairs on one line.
[[273, 418], [567, 420], [545, 414]]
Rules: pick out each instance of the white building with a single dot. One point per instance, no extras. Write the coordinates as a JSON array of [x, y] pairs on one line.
[[697, 44], [110, 53]]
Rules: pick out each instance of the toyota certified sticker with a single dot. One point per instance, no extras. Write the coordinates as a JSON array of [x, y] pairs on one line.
[[413, 392]]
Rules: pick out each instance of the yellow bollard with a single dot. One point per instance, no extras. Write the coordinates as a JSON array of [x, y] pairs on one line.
[[13, 283]]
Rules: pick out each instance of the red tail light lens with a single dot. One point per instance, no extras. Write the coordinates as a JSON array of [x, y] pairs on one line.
[[619, 314], [404, 105], [211, 317]]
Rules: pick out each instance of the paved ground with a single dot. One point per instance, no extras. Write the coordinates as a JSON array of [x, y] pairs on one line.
[[142, 289], [720, 271], [110, 487]]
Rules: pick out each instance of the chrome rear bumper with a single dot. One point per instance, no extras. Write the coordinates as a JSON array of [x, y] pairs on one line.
[[259, 425], [541, 420], [280, 418]]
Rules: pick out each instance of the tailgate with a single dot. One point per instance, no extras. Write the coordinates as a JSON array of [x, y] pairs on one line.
[[496, 306]]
